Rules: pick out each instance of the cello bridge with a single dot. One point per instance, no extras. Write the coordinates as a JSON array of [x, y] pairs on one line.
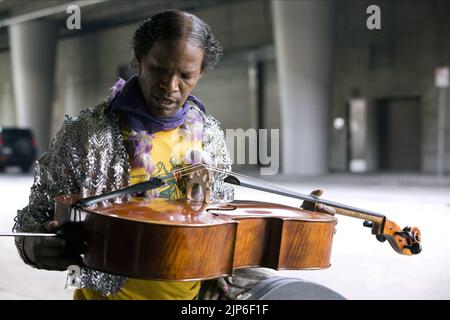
[[198, 187]]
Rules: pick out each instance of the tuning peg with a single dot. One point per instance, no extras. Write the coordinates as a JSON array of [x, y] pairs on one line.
[[380, 237], [368, 224], [405, 233], [415, 248]]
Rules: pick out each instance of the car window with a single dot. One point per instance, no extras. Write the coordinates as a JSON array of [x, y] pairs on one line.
[[10, 135]]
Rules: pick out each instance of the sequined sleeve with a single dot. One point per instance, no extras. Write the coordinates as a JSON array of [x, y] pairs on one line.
[[53, 177], [86, 157], [215, 145]]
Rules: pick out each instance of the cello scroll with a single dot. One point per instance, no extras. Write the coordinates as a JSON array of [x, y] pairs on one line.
[[405, 241]]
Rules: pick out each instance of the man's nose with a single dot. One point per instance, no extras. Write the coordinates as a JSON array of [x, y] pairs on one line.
[[170, 83]]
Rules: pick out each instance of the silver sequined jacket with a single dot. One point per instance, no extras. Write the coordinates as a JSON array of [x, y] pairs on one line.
[[88, 157]]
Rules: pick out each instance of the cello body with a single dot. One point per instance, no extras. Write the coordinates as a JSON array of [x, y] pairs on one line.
[[177, 240]]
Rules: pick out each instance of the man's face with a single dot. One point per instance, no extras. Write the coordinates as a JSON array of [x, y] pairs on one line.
[[168, 74]]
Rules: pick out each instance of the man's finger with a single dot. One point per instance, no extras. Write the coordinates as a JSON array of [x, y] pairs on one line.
[[317, 192], [52, 226], [307, 205]]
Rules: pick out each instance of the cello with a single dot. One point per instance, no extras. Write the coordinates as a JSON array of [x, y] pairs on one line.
[[197, 239]]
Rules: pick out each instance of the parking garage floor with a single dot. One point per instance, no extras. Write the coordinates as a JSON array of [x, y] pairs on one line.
[[362, 267]]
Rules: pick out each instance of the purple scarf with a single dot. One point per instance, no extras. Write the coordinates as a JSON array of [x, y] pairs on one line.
[[128, 99]]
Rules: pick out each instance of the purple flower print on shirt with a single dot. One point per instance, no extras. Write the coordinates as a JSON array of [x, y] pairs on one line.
[[139, 145]]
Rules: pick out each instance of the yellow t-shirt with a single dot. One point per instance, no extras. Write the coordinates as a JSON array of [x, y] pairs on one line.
[[168, 150]]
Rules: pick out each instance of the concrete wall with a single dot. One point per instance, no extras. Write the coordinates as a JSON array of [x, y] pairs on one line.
[[416, 32], [228, 92], [87, 66], [414, 35]]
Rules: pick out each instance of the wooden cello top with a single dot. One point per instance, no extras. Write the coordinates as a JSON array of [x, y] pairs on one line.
[[185, 212]]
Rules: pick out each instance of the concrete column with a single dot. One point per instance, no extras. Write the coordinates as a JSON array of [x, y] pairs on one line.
[[33, 46], [72, 98], [304, 49], [7, 114]]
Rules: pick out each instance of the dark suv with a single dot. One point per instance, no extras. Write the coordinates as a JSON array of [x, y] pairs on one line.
[[17, 148]]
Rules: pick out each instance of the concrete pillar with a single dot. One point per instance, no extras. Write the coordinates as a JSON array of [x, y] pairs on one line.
[[33, 47], [304, 50], [73, 97], [7, 114]]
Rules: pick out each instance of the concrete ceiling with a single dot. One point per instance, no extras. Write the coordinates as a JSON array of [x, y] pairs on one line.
[[95, 16]]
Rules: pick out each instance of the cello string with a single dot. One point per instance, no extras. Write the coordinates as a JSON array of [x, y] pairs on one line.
[[276, 187], [178, 173], [183, 170], [199, 166], [280, 187], [311, 198], [203, 166], [187, 168]]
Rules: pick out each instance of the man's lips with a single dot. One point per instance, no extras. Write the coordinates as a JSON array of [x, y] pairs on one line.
[[164, 101]]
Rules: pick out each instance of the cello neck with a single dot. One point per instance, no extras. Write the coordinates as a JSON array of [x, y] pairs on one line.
[[341, 209], [367, 216]]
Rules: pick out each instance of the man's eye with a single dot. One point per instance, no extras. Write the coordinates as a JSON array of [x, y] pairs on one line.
[[186, 76]]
